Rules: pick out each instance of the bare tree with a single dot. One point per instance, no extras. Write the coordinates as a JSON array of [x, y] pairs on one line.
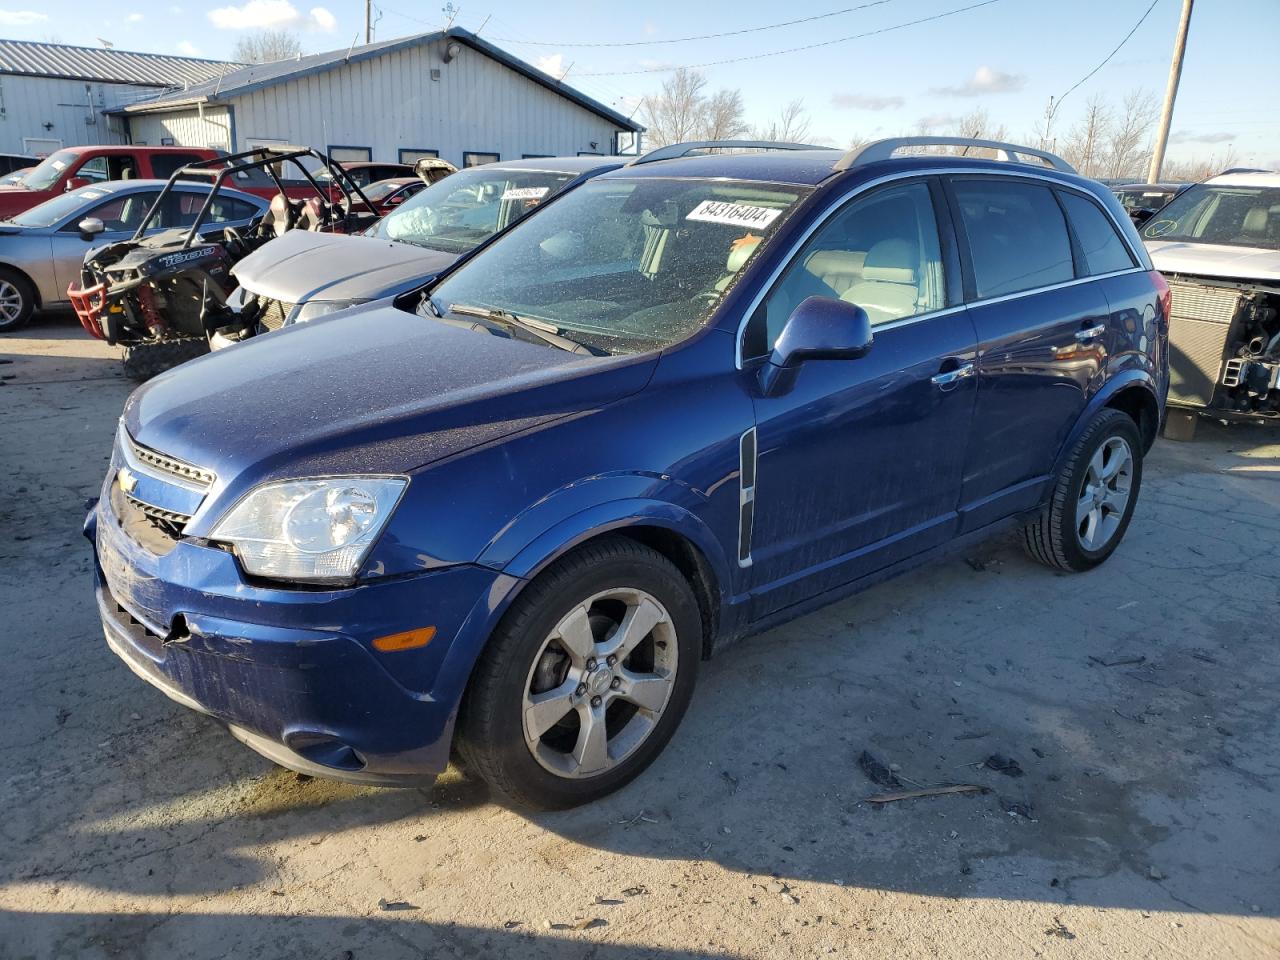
[[266, 46], [1128, 144], [677, 112], [1086, 144], [1198, 168], [792, 124], [723, 119], [976, 125]]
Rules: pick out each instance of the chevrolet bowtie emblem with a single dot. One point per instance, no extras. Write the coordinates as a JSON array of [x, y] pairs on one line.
[[126, 479]]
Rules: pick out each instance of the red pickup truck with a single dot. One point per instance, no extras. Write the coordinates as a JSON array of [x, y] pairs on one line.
[[76, 167]]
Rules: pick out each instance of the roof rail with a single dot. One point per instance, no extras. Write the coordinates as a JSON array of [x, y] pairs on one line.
[[673, 150], [884, 149]]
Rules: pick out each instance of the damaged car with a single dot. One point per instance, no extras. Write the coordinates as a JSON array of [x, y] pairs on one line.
[[303, 276], [1218, 244]]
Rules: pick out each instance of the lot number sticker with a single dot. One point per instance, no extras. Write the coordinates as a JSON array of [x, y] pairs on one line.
[[733, 214], [526, 193]]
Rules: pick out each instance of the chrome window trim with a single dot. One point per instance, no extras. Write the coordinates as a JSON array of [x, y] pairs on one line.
[[844, 198]]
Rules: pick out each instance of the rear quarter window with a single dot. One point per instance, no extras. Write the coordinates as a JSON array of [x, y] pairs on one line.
[[1017, 236], [1104, 251]]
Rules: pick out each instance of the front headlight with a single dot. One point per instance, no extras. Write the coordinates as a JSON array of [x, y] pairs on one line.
[[319, 308], [314, 530]]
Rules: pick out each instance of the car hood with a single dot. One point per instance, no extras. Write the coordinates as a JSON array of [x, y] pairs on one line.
[[1215, 260], [368, 390], [302, 266]]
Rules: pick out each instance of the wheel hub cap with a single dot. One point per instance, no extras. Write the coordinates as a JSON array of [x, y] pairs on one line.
[[599, 680]]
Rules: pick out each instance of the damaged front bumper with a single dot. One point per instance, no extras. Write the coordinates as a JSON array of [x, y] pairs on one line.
[[293, 673]]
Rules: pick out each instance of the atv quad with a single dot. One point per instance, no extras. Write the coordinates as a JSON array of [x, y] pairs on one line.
[[161, 296]]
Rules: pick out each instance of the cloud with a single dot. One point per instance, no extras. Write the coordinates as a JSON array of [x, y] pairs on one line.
[[188, 49], [1186, 136], [860, 101], [985, 80], [552, 65], [135, 18], [21, 18], [271, 15], [934, 120]]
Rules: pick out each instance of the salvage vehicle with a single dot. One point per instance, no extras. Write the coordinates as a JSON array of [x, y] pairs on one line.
[[305, 275], [690, 399], [76, 167], [160, 295], [1142, 200], [1218, 243], [42, 249]]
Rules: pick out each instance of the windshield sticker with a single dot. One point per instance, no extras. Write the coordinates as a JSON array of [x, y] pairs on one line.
[[525, 193], [733, 214]]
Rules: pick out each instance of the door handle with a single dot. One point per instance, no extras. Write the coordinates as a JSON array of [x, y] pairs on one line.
[[949, 378], [1091, 333]]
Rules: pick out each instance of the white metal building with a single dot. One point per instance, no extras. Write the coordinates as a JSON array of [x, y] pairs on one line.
[[448, 94], [53, 95]]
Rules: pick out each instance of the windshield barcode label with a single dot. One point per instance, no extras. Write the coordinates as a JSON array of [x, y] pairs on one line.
[[734, 214], [525, 193]]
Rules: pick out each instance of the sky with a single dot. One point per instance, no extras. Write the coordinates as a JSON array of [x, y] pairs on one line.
[[1005, 56]]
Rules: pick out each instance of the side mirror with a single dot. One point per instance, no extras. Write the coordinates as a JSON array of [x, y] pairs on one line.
[[75, 183], [90, 227], [1139, 217], [820, 328]]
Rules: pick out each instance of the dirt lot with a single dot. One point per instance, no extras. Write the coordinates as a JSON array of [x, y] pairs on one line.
[[1139, 700]]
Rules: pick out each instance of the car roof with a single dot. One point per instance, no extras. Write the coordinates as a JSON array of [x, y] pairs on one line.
[[358, 164], [557, 164], [1135, 187], [108, 187], [1257, 179], [133, 148]]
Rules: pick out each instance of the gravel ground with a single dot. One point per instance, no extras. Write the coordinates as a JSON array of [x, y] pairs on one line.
[[1138, 700]]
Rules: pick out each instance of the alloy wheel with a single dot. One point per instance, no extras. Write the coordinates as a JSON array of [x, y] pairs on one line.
[[599, 683], [1104, 494], [10, 302]]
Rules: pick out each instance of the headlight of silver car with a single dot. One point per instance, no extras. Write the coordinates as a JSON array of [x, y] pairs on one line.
[[314, 309], [314, 530]]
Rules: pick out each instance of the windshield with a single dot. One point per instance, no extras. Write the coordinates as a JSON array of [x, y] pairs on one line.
[[1236, 216], [466, 208], [384, 188], [621, 265], [1144, 198], [54, 211], [46, 174]]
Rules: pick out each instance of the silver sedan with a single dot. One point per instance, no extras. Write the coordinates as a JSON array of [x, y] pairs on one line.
[[42, 249]]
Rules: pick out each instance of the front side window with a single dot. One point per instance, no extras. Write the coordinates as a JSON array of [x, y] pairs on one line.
[[621, 266], [464, 209], [880, 252], [1104, 251], [1207, 213], [1017, 237], [123, 213], [94, 170]]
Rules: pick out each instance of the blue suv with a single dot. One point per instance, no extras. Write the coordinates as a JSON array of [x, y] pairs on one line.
[[695, 397]]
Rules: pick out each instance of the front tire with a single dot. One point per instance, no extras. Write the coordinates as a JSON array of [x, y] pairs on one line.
[[586, 678], [1093, 497], [147, 358], [17, 300]]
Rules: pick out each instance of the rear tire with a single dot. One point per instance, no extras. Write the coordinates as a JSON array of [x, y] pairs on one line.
[[1093, 497], [535, 660], [17, 300], [144, 360]]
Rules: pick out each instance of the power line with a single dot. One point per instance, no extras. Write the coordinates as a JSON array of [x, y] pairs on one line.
[[808, 46], [1108, 57], [701, 36]]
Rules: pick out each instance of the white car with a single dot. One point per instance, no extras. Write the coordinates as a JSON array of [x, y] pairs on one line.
[[1218, 245]]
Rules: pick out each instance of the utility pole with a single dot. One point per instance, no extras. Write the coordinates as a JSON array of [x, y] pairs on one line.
[[368, 21], [1170, 94]]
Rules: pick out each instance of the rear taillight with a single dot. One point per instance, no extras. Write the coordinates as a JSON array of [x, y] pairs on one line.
[[1164, 296]]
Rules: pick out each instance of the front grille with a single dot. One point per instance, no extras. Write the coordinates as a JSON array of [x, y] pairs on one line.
[[274, 313], [142, 524], [171, 465], [1199, 324]]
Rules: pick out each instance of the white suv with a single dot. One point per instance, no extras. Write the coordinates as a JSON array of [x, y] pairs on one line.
[[1218, 245]]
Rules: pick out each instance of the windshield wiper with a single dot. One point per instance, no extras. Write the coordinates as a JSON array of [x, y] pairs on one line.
[[545, 332]]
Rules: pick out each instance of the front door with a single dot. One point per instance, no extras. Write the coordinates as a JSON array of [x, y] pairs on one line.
[[120, 215], [858, 462], [1040, 343]]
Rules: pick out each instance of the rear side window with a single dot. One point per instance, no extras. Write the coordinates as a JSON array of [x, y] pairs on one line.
[[1017, 236], [163, 164], [1104, 251]]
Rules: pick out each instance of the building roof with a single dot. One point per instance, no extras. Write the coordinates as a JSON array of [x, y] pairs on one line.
[[252, 77], [58, 60]]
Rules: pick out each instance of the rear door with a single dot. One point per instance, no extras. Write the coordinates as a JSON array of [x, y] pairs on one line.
[[1040, 329]]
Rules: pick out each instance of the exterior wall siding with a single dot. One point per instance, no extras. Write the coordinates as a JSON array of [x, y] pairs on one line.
[[186, 127], [28, 103], [391, 102]]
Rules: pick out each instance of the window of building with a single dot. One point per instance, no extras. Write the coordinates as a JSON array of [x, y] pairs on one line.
[[413, 155], [472, 158], [1017, 236], [349, 154]]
